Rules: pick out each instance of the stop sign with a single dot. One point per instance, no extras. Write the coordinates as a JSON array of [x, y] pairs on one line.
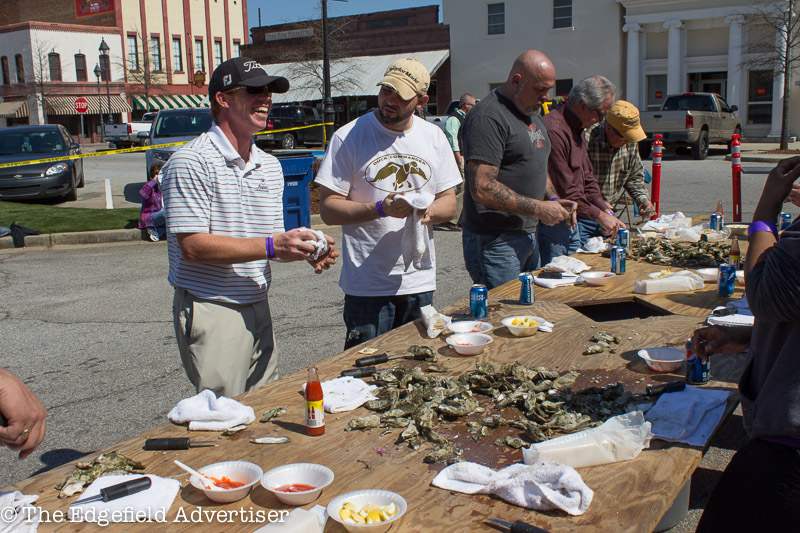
[[81, 105]]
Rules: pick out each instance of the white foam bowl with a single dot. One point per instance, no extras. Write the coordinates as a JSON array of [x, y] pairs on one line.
[[740, 276], [522, 331], [709, 275], [470, 326], [312, 474], [468, 343], [242, 471], [663, 359], [597, 278], [363, 497]]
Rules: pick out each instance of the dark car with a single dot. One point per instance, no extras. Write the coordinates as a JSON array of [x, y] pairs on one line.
[[174, 126], [288, 117], [39, 180]]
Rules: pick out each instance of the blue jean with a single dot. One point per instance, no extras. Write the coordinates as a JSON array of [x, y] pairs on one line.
[[557, 240], [495, 258], [366, 317], [588, 229]]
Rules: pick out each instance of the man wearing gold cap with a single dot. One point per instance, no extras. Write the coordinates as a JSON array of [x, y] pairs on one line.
[[387, 178], [614, 152]]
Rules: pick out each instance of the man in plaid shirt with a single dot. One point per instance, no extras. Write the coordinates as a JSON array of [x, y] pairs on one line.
[[614, 153]]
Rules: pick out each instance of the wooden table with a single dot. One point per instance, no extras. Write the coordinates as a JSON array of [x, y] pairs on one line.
[[628, 496]]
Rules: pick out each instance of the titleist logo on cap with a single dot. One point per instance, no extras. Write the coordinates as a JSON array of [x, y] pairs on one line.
[[250, 65]]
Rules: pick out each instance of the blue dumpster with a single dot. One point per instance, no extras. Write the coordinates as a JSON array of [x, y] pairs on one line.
[[297, 174]]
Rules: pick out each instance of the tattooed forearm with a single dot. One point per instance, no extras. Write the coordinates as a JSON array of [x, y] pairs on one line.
[[486, 189]]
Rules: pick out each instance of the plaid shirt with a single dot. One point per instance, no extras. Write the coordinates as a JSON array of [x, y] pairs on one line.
[[616, 169]]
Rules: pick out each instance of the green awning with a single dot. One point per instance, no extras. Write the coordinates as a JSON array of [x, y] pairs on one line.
[[169, 101]]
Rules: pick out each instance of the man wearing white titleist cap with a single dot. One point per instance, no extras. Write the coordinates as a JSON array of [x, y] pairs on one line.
[[224, 203], [371, 164]]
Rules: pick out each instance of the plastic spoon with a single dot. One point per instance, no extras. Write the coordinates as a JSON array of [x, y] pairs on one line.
[[198, 474]]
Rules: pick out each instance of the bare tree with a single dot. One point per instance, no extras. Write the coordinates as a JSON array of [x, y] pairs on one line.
[[147, 77], [777, 49], [42, 53]]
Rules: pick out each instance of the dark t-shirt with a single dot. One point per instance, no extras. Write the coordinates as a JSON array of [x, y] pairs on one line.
[[497, 134]]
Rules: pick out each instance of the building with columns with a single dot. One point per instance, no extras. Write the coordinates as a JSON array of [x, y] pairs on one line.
[[648, 48]]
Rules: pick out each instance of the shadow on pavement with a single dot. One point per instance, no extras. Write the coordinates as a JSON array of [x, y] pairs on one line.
[[131, 192]]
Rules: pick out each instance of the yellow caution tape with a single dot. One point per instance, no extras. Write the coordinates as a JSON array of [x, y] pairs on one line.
[[132, 150]]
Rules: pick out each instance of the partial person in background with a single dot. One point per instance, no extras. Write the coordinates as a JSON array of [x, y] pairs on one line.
[[760, 488], [453, 128], [152, 216], [24, 426], [613, 147], [570, 170]]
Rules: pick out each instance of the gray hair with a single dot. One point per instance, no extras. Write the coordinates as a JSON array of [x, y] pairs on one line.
[[593, 91]]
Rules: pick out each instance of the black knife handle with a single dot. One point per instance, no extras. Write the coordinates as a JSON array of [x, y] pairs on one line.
[[125, 489], [523, 527], [179, 443], [360, 372], [372, 360]]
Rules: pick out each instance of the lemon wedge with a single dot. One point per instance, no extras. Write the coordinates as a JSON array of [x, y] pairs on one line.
[[345, 514], [368, 513]]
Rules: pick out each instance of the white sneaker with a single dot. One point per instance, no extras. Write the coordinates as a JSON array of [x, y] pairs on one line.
[[153, 234]]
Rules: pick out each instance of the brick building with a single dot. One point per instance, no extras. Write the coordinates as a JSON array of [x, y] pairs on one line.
[[160, 55]]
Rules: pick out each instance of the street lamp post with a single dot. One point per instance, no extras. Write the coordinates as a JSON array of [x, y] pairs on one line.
[[104, 59], [327, 101], [100, 103]]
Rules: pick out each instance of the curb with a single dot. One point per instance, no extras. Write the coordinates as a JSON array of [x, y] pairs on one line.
[[765, 158], [97, 237]]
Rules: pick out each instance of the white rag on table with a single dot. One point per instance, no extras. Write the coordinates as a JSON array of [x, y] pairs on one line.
[[435, 322], [17, 512], [206, 412], [594, 245], [321, 245], [743, 316], [550, 283], [665, 221], [681, 281], [345, 394], [416, 236], [299, 520], [541, 486], [150, 504], [689, 416], [567, 264]]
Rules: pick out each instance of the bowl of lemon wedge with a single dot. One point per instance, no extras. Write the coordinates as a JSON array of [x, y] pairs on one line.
[[367, 511], [522, 325]]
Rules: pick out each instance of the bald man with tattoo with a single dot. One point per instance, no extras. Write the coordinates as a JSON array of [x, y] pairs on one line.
[[508, 192]]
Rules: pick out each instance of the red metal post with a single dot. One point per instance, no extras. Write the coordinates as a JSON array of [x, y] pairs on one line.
[[655, 186], [736, 177]]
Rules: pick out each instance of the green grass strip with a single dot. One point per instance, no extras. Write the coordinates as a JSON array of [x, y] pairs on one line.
[[52, 219]]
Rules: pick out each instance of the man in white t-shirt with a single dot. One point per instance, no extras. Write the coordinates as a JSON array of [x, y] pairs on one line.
[[372, 166]]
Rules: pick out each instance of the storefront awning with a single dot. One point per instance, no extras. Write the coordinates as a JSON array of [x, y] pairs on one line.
[[17, 109], [361, 73], [65, 105], [169, 101]]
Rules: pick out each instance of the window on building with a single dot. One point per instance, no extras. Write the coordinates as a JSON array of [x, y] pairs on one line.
[[236, 50], [562, 14], [177, 57], [497, 18], [20, 68], [199, 62], [217, 53], [54, 62], [759, 96], [80, 67], [155, 53], [6, 77], [656, 91], [562, 88], [133, 53]]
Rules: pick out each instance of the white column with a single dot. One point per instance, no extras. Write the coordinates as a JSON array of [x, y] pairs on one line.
[[632, 77], [735, 92], [777, 93], [674, 82]]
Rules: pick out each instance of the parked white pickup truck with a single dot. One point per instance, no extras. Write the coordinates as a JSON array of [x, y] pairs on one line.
[[694, 120], [127, 135]]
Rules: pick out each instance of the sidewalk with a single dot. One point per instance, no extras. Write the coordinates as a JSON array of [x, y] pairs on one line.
[[753, 152]]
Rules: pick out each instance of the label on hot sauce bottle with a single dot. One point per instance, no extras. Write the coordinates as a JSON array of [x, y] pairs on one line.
[[315, 414]]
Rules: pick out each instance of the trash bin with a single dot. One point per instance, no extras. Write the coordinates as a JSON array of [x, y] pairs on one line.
[[297, 174]]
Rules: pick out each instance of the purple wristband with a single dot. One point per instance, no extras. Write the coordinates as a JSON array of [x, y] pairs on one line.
[[380, 209], [760, 225], [270, 248], [554, 198]]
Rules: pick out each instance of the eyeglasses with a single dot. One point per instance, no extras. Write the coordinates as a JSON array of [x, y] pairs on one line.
[[254, 90]]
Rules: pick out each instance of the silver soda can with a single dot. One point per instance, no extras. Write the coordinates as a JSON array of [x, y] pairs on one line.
[[785, 221], [715, 222], [478, 294], [618, 260], [623, 238], [726, 279], [526, 289], [697, 372]]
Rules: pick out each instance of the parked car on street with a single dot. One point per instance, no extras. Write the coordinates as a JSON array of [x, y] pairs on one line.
[[692, 120], [39, 180], [292, 116], [172, 126]]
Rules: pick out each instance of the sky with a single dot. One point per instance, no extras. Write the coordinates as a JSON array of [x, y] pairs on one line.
[[280, 11]]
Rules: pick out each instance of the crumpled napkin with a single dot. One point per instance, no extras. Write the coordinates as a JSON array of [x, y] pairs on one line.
[[594, 245], [150, 504], [345, 394], [17, 512], [299, 520], [743, 316], [206, 412], [417, 237], [680, 281], [540, 486], [549, 283], [321, 244], [435, 322], [564, 263], [664, 221], [688, 416]]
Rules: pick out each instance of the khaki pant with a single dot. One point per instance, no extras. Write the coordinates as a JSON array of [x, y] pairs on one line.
[[227, 348]]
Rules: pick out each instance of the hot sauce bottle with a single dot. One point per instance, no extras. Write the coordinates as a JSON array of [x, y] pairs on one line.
[[315, 415]]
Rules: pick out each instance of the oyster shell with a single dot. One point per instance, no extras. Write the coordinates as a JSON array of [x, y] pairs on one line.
[[273, 413]]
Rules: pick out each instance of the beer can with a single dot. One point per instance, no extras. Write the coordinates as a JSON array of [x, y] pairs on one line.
[[478, 294], [786, 220], [715, 222], [526, 288], [697, 372], [618, 260], [623, 238], [726, 279]]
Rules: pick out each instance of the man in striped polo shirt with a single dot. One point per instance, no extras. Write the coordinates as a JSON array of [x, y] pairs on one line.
[[223, 198]]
